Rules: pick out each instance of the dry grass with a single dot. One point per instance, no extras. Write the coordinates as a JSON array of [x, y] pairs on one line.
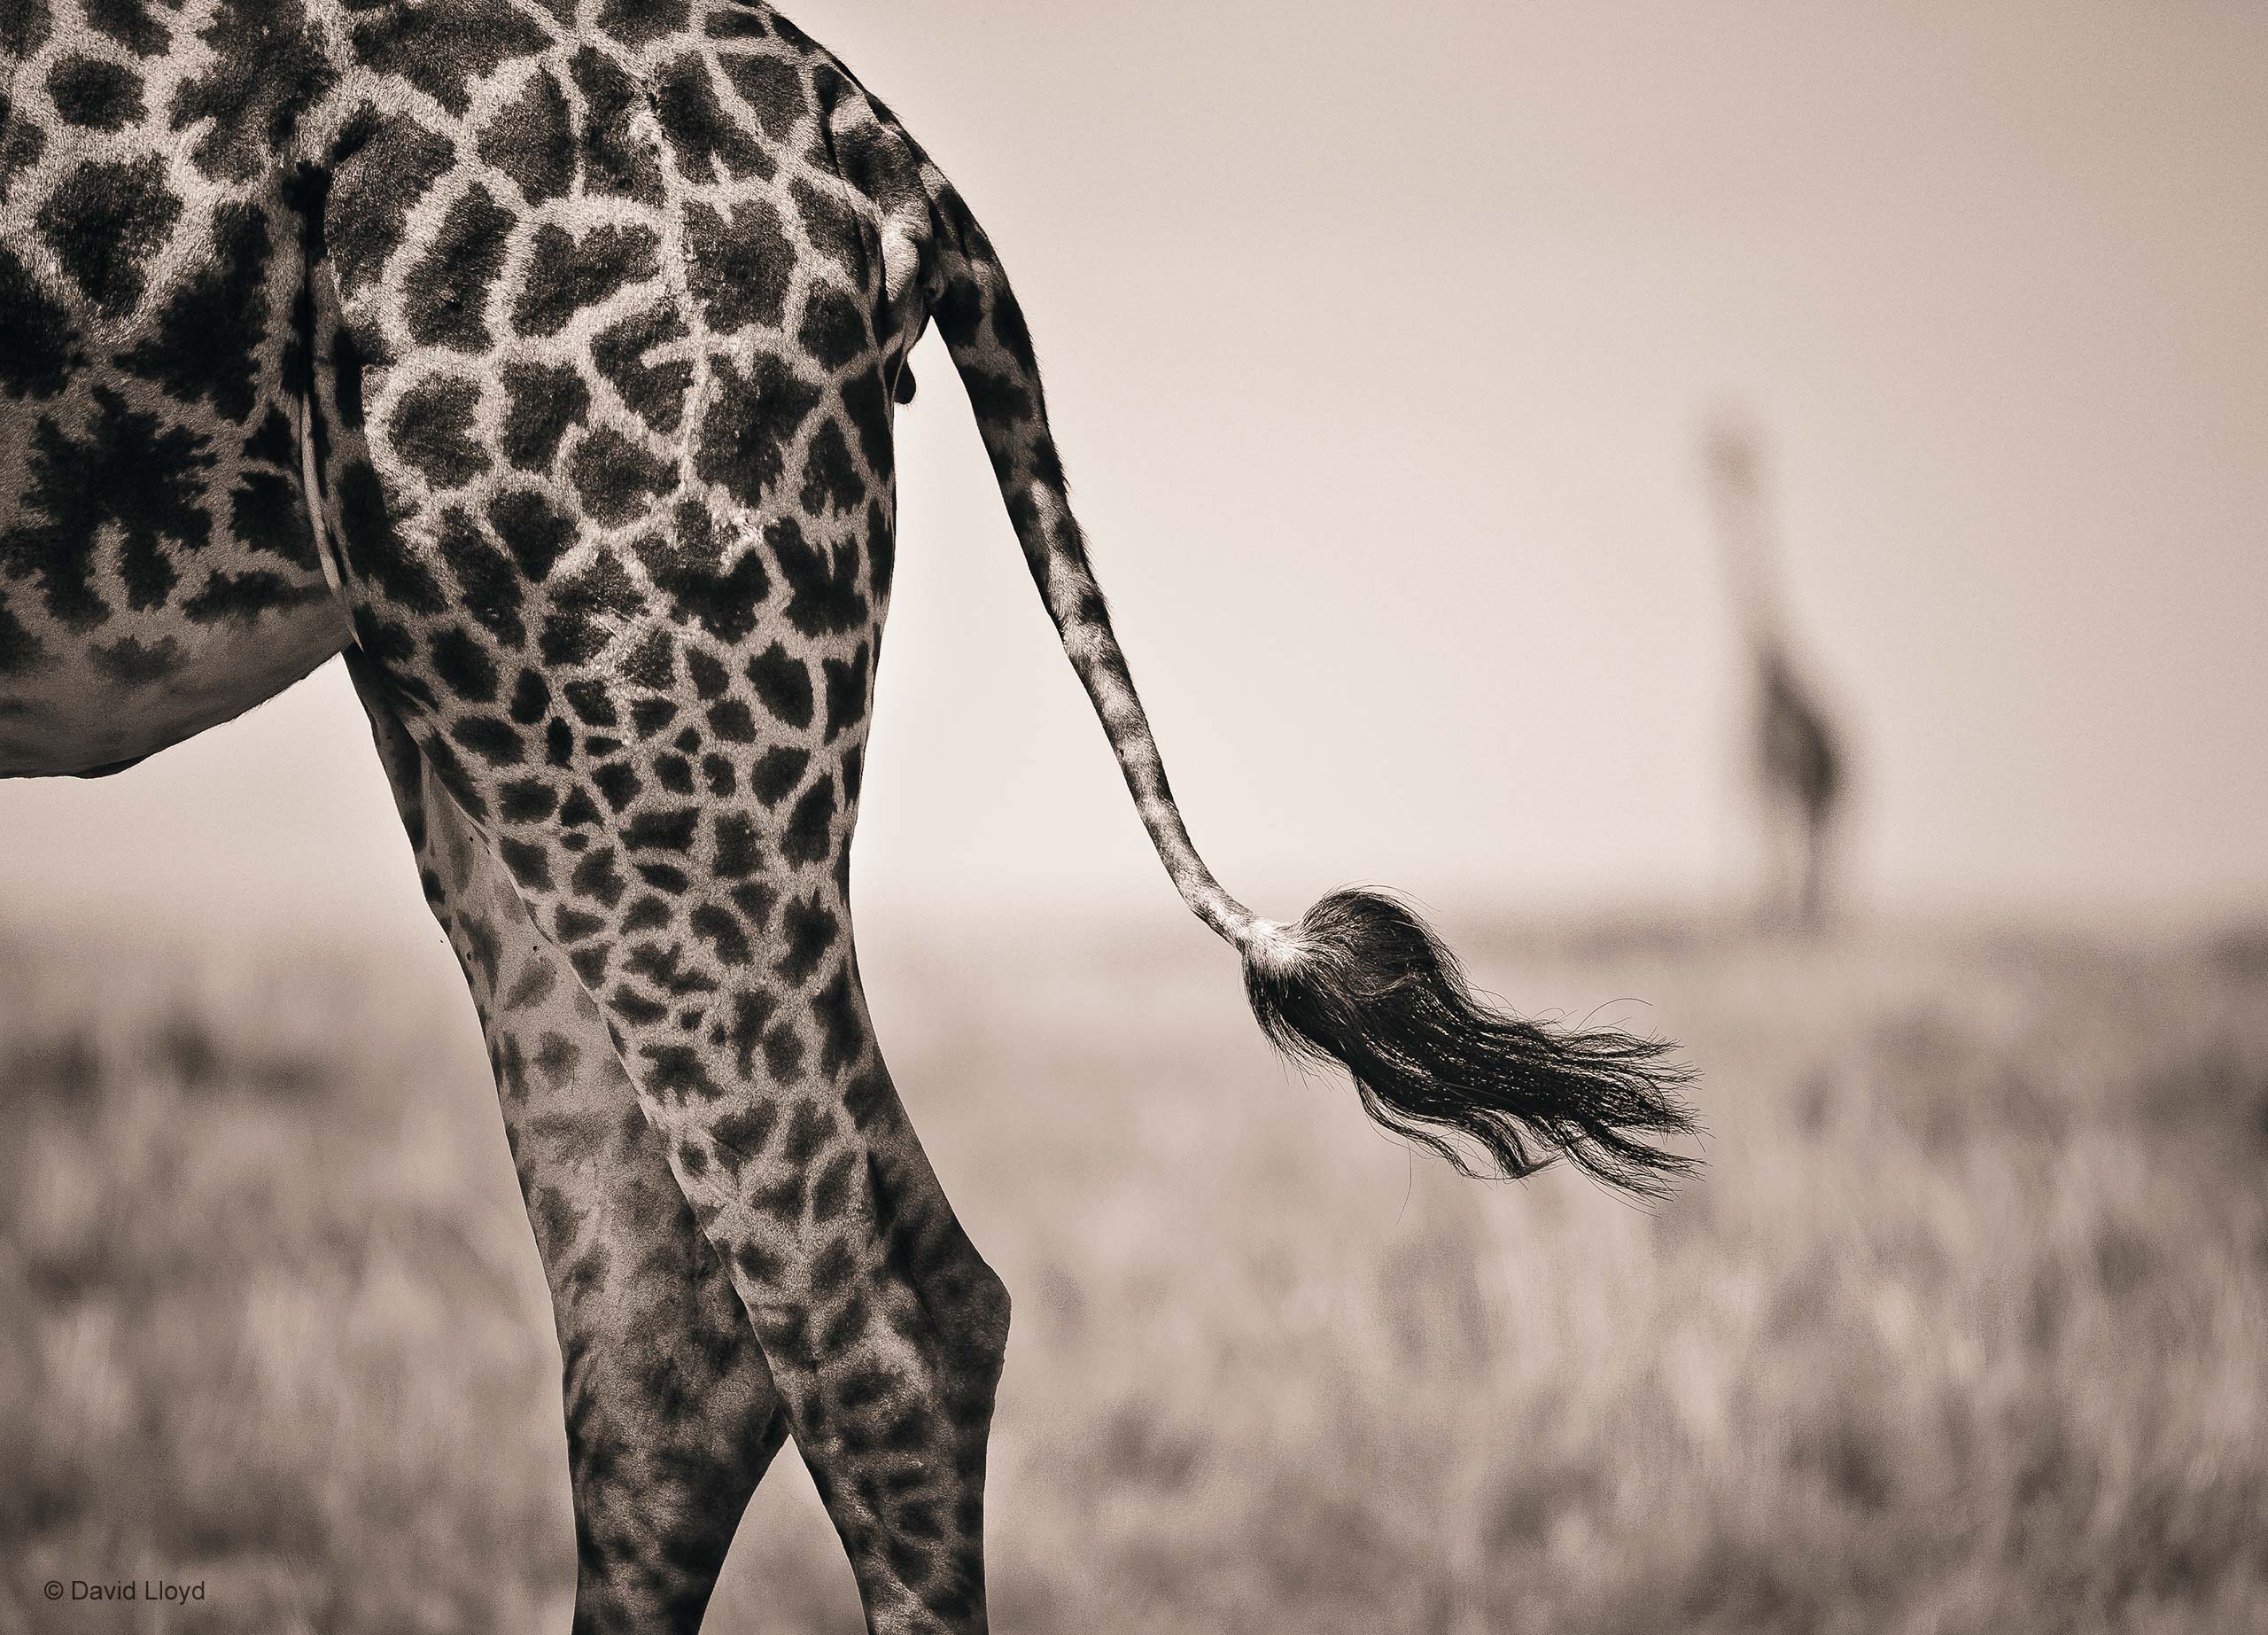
[[1966, 1328]]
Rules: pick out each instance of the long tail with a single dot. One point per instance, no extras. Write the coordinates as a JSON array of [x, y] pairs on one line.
[[1359, 979]]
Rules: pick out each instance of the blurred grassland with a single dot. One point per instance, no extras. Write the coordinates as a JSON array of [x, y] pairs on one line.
[[1965, 1327]]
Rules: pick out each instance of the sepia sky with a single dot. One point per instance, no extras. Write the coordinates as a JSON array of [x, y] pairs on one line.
[[1379, 339]]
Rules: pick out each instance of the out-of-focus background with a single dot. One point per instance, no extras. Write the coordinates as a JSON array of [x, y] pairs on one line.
[[1559, 459]]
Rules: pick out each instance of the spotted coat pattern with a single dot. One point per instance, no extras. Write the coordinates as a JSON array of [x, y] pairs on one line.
[[671, 1414], [547, 352], [564, 339]]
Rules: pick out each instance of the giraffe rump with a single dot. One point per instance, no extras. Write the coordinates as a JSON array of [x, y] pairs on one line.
[[1361, 981]]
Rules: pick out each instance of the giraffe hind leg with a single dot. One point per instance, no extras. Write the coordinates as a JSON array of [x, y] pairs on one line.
[[880, 1323], [672, 1414]]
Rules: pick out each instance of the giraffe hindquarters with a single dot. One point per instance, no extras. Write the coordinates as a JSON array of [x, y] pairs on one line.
[[671, 1414], [619, 560]]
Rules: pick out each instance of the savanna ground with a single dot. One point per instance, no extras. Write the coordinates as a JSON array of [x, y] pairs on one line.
[[1965, 1327]]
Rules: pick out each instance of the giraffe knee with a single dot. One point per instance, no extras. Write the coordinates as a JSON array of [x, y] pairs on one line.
[[929, 1254], [979, 1325]]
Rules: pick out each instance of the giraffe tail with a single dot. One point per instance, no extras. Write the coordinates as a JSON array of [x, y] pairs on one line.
[[1360, 979]]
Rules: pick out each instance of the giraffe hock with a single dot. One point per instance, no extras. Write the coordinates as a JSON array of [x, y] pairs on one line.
[[1364, 982]]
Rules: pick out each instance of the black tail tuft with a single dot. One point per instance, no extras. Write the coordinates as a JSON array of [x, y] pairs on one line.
[[1362, 981]]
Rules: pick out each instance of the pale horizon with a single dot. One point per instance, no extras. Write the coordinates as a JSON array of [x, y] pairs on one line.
[[1379, 355]]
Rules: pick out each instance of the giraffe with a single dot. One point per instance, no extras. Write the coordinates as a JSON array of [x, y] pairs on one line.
[[1798, 764], [543, 356], [672, 1416]]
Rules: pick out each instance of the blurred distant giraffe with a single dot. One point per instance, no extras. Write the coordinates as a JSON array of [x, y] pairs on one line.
[[1798, 759]]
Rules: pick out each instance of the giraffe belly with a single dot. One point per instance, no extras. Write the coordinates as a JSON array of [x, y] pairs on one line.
[[158, 568], [150, 682], [155, 580]]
